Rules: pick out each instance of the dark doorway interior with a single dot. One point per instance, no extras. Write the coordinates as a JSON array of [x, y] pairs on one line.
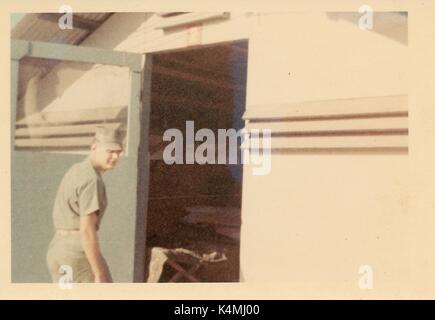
[[195, 207]]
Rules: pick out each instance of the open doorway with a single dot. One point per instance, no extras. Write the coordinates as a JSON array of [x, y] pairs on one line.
[[193, 211]]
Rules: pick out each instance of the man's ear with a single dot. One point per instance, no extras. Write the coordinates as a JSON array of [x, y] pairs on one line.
[[93, 146]]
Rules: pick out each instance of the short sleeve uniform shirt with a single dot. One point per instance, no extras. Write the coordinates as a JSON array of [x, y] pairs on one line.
[[81, 192]]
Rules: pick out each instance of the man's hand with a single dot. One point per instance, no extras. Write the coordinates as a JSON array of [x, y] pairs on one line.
[[105, 276]]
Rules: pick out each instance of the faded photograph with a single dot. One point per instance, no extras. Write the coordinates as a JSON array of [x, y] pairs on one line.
[[209, 147]]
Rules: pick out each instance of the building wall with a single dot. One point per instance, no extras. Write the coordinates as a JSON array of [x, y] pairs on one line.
[[329, 59], [319, 216]]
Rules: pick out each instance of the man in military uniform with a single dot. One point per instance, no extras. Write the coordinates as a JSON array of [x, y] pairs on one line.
[[78, 209]]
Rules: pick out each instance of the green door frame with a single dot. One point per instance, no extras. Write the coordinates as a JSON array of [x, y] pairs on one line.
[[134, 61], [37, 49]]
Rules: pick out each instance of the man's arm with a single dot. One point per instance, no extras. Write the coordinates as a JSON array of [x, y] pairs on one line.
[[88, 233]]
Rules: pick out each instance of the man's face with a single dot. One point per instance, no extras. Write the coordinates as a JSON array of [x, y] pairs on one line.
[[105, 158]]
